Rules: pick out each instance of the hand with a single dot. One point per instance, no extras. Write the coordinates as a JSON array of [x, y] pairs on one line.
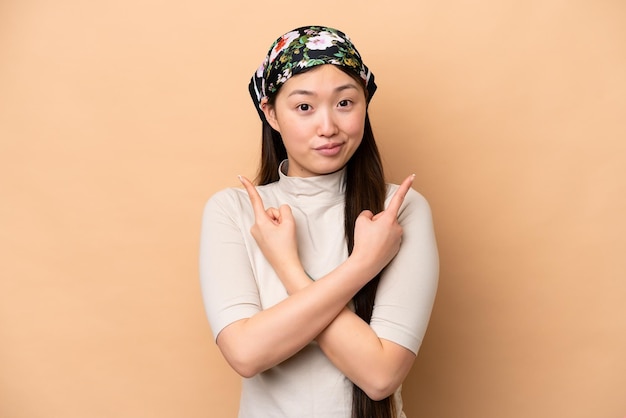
[[377, 237], [274, 231]]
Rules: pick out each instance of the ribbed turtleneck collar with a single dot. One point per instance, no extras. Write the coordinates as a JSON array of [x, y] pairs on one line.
[[327, 188]]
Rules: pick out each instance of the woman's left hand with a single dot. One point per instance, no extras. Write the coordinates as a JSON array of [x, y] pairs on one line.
[[274, 231]]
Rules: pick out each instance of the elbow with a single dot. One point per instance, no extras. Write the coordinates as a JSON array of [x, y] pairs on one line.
[[244, 364], [239, 355], [385, 377], [243, 369], [379, 394], [246, 361], [381, 388]]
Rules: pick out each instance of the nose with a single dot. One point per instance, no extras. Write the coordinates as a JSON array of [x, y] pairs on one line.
[[327, 126]]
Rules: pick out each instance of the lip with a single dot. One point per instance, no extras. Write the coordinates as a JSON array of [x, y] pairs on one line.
[[330, 149]]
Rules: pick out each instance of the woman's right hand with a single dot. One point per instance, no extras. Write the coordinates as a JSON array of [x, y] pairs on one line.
[[274, 231], [377, 237]]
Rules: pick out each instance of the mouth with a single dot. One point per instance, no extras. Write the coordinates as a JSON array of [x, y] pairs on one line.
[[330, 149], [328, 146]]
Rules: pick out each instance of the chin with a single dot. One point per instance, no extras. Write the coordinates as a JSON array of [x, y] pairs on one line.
[[330, 168]]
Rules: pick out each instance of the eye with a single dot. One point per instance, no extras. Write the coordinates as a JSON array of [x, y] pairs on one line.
[[344, 103], [304, 107]]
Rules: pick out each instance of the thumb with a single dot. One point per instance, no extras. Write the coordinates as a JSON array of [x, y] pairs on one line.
[[285, 212], [378, 215], [366, 214]]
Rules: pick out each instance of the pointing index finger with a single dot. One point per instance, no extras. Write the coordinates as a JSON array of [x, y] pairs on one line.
[[399, 195], [255, 198]]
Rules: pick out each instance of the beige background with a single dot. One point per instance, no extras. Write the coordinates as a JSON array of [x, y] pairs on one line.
[[119, 118]]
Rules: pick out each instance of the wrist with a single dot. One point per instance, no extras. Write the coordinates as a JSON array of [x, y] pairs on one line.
[[365, 264], [361, 268], [293, 277]]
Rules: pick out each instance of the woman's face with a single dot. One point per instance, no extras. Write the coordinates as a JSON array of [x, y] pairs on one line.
[[320, 115]]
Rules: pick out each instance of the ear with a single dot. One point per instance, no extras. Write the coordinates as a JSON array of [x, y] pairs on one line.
[[270, 114]]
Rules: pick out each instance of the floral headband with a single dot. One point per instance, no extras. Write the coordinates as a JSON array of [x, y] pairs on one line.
[[301, 49]]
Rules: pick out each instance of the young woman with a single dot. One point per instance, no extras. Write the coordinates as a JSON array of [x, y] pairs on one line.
[[319, 282]]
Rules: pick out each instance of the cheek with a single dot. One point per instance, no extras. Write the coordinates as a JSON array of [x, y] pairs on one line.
[[295, 135], [355, 127]]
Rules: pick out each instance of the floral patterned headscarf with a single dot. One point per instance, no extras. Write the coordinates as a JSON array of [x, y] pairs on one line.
[[304, 48]]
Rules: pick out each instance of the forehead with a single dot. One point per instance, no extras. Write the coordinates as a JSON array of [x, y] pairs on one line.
[[319, 79]]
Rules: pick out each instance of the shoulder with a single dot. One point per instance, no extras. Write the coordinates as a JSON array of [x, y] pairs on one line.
[[234, 200], [224, 199], [415, 209], [413, 200]]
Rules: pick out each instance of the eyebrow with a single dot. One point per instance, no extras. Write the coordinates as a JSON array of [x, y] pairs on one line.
[[310, 93]]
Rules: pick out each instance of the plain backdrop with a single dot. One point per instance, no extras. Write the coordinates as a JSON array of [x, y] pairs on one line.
[[119, 119]]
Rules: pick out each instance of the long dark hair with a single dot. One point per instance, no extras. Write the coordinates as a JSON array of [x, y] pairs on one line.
[[365, 190]]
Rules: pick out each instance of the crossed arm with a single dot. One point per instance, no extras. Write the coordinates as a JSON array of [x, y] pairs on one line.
[[317, 310]]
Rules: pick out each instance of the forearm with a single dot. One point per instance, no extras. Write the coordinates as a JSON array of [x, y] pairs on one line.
[[271, 336], [376, 365]]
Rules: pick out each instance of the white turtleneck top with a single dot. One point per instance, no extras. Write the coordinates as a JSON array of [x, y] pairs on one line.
[[237, 282]]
